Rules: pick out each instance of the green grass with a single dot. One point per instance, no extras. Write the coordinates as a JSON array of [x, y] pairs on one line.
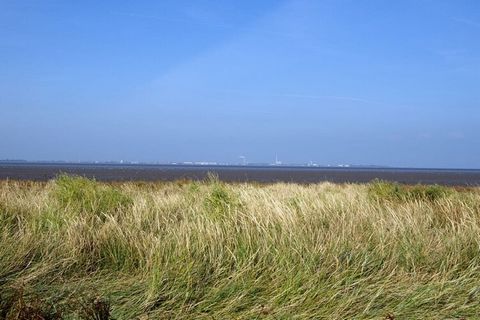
[[74, 248], [84, 196], [390, 191]]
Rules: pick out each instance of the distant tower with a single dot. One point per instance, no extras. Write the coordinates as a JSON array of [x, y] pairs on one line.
[[277, 162], [244, 160]]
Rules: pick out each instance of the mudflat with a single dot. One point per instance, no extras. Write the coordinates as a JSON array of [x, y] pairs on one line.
[[120, 172]]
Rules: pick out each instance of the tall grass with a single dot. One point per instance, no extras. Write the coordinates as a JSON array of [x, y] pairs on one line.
[[76, 248]]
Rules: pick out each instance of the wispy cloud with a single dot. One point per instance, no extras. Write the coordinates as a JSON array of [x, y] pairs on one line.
[[456, 135], [188, 19], [425, 135], [326, 97], [307, 96], [467, 22], [201, 20], [451, 53]]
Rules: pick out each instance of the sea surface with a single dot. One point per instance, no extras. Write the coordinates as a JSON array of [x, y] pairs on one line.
[[143, 172]]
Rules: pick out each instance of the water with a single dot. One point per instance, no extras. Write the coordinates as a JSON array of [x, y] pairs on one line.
[[120, 172]]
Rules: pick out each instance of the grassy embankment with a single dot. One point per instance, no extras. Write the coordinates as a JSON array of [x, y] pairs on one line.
[[74, 248]]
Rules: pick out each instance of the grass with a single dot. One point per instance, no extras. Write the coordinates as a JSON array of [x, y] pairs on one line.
[[74, 248], [390, 191], [83, 196]]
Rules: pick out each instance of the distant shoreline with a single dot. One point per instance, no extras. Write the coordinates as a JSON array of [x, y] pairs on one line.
[[224, 165], [43, 171]]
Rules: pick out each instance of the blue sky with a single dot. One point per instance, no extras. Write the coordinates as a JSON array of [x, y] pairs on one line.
[[362, 82]]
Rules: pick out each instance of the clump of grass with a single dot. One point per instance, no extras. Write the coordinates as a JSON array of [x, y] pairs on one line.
[[392, 191], [385, 190], [5, 217], [97, 308], [86, 195], [15, 306], [219, 202], [429, 192]]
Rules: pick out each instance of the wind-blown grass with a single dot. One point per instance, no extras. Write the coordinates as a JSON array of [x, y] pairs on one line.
[[75, 248]]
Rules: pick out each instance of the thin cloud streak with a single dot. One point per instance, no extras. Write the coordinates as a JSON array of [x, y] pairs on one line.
[[208, 24], [152, 17], [314, 97], [327, 97], [467, 22]]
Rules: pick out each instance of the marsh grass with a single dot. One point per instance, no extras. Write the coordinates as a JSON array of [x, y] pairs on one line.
[[81, 195], [211, 250], [220, 202], [391, 191]]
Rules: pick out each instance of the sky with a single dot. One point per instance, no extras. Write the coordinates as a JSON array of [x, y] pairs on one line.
[[372, 82]]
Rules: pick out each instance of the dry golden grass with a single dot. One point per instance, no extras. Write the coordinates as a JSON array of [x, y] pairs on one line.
[[244, 251]]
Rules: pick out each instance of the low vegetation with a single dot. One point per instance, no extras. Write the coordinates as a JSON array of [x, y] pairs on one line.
[[390, 191], [74, 248], [84, 196]]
